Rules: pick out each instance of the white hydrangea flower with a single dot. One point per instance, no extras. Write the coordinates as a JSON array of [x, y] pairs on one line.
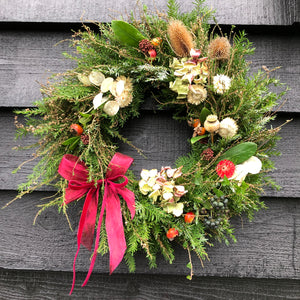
[[221, 83], [174, 208]]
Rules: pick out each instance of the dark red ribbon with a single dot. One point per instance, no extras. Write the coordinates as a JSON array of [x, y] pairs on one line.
[[74, 170]]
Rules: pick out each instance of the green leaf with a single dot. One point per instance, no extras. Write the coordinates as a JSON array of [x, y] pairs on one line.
[[70, 140], [126, 33], [240, 153], [203, 114], [197, 138], [217, 192], [189, 265], [74, 145], [189, 277]]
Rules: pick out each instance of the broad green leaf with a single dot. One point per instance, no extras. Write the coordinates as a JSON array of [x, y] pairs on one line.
[[70, 140], [203, 114], [189, 265], [197, 138], [240, 153], [126, 33]]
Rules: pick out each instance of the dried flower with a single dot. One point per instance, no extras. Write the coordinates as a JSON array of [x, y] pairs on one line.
[[211, 123], [196, 94], [207, 154], [181, 39], [221, 83], [228, 128], [84, 79], [99, 100], [85, 139], [96, 78], [225, 168], [219, 48], [252, 165], [162, 186], [122, 90], [111, 108]]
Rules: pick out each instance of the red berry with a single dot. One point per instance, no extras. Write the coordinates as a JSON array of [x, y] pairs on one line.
[[152, 53], [172, 233], [76, 129], [189, 217]]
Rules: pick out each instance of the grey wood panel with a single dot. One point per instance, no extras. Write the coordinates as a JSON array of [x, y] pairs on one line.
[[30, 285], [29, 57], [228, 12], [163, 140], [268, 247]]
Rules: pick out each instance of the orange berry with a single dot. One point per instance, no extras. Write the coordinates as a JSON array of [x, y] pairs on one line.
[[76, 129], [156, 41], [201, 131], [172, 233], [189, 217], [196, 123]]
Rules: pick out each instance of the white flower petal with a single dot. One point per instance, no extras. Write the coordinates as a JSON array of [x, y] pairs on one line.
[[120, 87], [84, 79], [253, 165], [145, 174], [111, 108], [106, 84], [178, 209], [98, 100], [153, 173], [96, 78], [167, 196]]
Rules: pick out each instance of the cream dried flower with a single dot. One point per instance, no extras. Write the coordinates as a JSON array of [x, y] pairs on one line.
[[228, 128], [196, 94], [122, 90], [221, 83]]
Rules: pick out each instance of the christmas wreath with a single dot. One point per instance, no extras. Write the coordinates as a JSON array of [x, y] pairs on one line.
[[201, 75]]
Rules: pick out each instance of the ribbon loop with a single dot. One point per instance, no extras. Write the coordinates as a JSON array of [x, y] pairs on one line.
[[74, 170]]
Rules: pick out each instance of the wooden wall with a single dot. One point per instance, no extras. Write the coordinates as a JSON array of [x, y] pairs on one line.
[[36, 261]]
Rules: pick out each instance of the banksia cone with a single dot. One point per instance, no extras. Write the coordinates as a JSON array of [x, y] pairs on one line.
[[146, 46], [219, 48], [181, 39]]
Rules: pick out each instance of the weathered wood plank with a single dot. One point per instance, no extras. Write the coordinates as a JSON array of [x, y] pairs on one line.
[[152, 132], [266, 248], [30, 56], [30, 285], [267, 12]]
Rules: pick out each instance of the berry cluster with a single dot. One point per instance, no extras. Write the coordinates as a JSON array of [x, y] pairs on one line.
[[217, 212]]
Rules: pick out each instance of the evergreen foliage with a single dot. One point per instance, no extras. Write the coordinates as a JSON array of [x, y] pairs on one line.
[[67, 101]]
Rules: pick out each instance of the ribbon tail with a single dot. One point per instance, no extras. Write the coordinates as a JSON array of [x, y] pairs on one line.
[[81, 228], [129, 197], [97, 237], [115, 231]]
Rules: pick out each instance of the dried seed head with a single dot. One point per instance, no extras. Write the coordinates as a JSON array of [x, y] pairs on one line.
[[219, 48], [181, 39], [211, 123]]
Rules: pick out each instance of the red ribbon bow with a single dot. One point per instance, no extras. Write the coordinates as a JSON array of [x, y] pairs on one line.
[[77, 173]]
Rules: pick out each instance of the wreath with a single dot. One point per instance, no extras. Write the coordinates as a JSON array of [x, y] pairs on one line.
[[201, 75]]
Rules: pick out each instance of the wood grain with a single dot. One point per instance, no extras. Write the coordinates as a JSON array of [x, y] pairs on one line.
[[227, 12], [29, 57], [266, 248], [162, 140], [31, 285]]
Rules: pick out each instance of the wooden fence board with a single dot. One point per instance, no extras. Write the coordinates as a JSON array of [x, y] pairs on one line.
[[268, 247], [30, 56], [152, 133], [228, 12], [30, 285]]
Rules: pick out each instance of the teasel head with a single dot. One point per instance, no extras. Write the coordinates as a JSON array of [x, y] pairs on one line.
[[180, 37], [219, 48]]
